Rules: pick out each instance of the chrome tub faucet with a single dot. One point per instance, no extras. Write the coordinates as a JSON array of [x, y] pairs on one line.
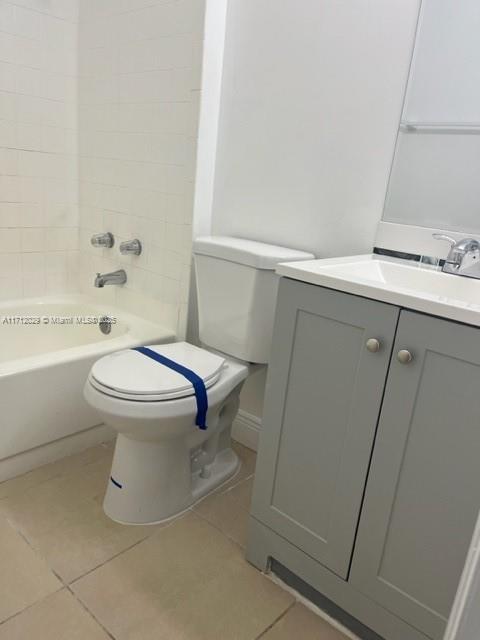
[[114, 277]]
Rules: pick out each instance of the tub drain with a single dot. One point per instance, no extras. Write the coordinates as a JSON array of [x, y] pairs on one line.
[[105, 325]]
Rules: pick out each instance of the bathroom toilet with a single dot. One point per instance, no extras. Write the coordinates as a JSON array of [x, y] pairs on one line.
[[168, 454]]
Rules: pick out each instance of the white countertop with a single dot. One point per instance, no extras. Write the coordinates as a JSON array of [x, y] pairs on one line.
[[400, 282]]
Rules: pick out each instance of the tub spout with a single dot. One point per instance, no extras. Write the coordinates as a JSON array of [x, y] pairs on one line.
[[115, 277]]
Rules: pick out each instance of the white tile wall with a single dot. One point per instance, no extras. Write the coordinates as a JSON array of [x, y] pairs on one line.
[[139, 88], [38, 147]]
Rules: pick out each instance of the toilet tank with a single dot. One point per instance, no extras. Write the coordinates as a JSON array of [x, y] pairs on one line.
[[237, 292]]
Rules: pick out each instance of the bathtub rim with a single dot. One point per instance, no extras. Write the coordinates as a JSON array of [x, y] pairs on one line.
[[138, 331]]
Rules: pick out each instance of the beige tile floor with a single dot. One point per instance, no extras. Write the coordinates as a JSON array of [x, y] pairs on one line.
[[69, 573]]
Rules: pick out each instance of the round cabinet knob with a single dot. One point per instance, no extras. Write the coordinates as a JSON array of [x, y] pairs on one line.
[[373, 345], [404, 356]]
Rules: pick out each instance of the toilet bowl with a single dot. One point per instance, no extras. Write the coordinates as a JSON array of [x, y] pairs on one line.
[[163, 462], [167, 455]]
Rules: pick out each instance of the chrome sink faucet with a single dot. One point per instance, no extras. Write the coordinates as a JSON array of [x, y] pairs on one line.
[[115, 277], [463, 258]]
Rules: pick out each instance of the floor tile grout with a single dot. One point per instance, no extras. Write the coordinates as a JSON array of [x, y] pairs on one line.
[[57, 474], [233, 486], [190, 511], [69, 585], [22, 535], [64, 585], [149, 535], [87, 610], [277, 619], [217, 493], [36, 552], [99, 566], [217, 528], [33, 604], [311, 606]]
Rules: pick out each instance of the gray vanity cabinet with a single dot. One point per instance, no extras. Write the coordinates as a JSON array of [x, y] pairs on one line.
[[423, 492], [322, 401], [368, 474]]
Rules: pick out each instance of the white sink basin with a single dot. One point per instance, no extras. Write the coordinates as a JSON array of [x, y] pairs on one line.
[[400, 282]]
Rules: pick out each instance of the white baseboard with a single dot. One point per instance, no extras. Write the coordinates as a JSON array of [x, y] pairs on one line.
[[28, 460], [246, 429]]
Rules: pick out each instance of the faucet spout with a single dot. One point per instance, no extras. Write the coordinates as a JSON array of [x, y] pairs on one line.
[[114, 277], [463, 258]]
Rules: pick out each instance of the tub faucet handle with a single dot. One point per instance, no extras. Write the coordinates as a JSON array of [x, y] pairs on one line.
[[133, 247], [105, 240]]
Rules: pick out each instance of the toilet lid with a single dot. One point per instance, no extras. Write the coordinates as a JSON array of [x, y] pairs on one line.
[[132, 375]]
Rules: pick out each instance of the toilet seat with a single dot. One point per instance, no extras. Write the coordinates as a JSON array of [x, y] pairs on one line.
[[131, 375]]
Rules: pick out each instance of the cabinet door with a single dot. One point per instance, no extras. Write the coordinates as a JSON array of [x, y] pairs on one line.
[[324, 390], [423, 492]]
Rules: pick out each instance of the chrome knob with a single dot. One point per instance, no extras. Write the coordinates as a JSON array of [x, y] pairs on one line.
[[373, 345], [404, 356], [105, 240], [133, 247]]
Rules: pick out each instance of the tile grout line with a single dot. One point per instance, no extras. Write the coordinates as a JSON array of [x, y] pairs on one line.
[[282, 615], [218, 492], [189, 511], [311, 606], [64, 585], [60, 473], [38, 555], [132, 546], [99, 566], [83, 605], [217, 528], [233, 486], [33, 604], [68, 586], [87, 610], [36, 551]]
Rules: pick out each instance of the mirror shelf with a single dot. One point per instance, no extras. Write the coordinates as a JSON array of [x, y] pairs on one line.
[[428, 127]]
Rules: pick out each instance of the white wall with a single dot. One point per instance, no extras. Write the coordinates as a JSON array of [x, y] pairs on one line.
[[310, 106], [140, 63], [312, 96], [38, 147]]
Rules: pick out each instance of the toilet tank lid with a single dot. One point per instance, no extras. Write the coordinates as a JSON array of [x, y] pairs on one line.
[[248, 252]]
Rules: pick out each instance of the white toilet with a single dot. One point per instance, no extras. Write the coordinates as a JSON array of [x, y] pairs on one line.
[[164, 461]]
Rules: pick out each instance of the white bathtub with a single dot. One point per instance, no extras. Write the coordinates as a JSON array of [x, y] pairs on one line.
[[47, 346]]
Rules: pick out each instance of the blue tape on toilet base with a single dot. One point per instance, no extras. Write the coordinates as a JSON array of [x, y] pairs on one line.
[[191, 376], [117, 484]]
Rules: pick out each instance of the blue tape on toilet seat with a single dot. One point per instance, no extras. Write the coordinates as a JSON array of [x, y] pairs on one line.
[[191, 376]]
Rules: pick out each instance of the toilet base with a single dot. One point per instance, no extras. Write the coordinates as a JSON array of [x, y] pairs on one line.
[[225, 466], [151, 483]]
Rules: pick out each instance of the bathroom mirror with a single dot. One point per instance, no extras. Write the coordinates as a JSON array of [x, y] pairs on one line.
[[435, 175]]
